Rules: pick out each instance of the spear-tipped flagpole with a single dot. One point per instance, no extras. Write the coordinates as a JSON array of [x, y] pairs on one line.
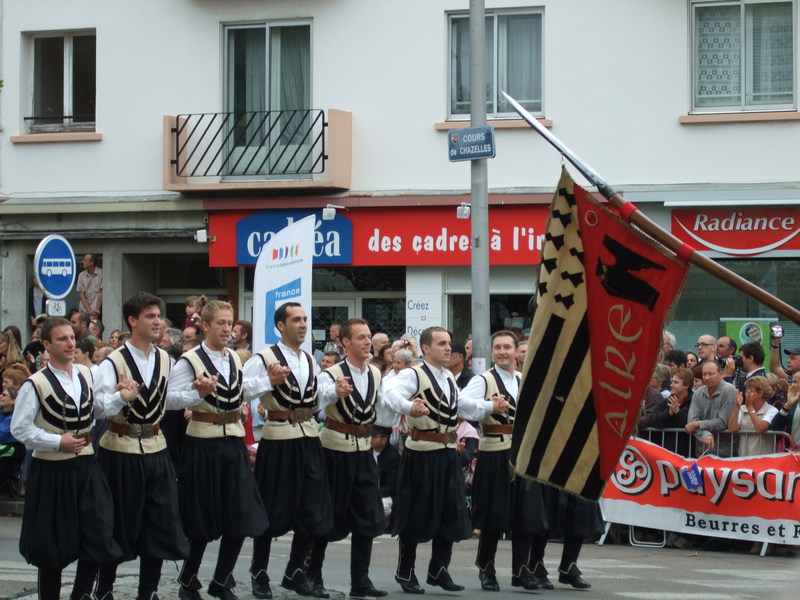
[[636, 217]]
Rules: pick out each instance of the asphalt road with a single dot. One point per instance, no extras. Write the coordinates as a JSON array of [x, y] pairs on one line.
[[615, 571]]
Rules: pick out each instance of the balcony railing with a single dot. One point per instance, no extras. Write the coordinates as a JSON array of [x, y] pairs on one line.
[[284, 143], [281, 151]]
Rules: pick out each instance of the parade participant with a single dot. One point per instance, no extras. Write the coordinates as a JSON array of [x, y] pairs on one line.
[[290, 465], [349, 393], [217, 492], [131, 387], [431, 504], [500, 504], [68, 512]]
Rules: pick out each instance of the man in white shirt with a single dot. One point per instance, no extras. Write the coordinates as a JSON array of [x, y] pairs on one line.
[[217, 493], [131, 386], [349, 394], [431, 504], [500, 505], [290, 465], [68, 511]]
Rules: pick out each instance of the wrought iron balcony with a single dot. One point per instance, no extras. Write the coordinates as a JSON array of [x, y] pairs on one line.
[[270, 149]]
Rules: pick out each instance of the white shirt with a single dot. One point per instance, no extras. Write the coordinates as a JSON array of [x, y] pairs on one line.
[[180, 393], [27, 407], [105, 382], [476, 388], [256, 381], [326, 385], [398, 391]]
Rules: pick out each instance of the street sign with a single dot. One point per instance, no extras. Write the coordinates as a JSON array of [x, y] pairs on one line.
[[471, 143], [54, 267], [56, 308]]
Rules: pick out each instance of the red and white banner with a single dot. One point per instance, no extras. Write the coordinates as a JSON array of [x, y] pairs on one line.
[[739, 231], [749, 498]]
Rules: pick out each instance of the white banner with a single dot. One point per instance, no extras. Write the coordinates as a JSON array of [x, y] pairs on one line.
[[283, 274]]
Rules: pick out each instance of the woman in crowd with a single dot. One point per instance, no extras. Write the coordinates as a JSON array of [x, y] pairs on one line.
[[754, 416], [113, 339]]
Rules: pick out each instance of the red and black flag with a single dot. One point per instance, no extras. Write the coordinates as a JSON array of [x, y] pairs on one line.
[[604, 290]]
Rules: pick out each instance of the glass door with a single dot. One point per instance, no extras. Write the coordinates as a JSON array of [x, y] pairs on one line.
[[325, 313]]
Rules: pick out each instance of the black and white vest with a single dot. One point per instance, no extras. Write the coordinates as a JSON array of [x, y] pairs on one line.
[[494, 386], [352, 410], [443, 416]]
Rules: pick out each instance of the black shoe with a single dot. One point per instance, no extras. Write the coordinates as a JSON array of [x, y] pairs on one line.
[[185, 593], [152, 596], [543, 582], [526, 580], [261, 587], [298, 583], [104, 596], [319, 589], [488, 582], [219, 591], [367, 591], [444, 581], [575, 581], [411, 586]]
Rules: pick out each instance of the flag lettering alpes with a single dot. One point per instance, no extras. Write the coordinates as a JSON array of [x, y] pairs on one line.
[[603, 293]]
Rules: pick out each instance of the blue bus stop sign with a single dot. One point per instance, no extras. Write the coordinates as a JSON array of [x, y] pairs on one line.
[[54, 266]]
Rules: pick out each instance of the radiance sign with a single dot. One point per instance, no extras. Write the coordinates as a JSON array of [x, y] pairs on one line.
[[739, 231]]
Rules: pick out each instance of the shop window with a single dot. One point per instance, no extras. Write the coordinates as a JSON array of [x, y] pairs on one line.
[[743, 55], [349, 279], [513, 62], [189, 273], [507, 311], [705, 300], [64, 83]]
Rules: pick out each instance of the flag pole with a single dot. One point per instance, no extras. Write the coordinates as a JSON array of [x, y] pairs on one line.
[[638, 218]]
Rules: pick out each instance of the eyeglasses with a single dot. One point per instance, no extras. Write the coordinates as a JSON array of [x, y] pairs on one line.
[[702, 344]]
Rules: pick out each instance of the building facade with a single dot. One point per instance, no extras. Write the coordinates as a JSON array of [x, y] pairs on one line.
[[129, 127]]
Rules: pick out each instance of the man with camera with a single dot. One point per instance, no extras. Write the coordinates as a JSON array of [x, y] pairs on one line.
[[749, 363]]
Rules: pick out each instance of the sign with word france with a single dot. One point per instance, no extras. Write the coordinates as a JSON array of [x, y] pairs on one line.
[[54, 266], [471, 143], [283, 274]]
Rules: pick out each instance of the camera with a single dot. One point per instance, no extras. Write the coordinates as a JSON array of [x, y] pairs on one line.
[[738, 360], [776, 332], [406, 343], [195, 319]]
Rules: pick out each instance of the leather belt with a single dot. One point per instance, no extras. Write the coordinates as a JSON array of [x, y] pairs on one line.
[[298, 415], [448, 437], [84, 436], [498, 429], [362, 431], [137, 430], [228, 417]]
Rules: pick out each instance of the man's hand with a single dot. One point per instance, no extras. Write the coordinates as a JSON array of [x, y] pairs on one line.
[[792, 395], [205, 385], [128, 389], [709, 442], [730, 367], [277, 374], [674, 404], [261, 410], [69, 443], [187, 414], [419, 408], [461, 446], [500, 404], [343, 387], [692, 427]]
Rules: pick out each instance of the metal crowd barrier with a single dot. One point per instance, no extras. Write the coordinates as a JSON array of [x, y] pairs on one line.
[[678, 441]]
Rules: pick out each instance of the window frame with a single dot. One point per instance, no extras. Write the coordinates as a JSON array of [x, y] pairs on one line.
[[493, 77], [746, 66], [67, 125], [266, 25]]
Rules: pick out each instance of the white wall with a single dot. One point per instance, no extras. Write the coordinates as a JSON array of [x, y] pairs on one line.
[[616, 81]]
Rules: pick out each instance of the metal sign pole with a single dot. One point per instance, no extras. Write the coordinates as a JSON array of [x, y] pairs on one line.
[[480, 191]]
